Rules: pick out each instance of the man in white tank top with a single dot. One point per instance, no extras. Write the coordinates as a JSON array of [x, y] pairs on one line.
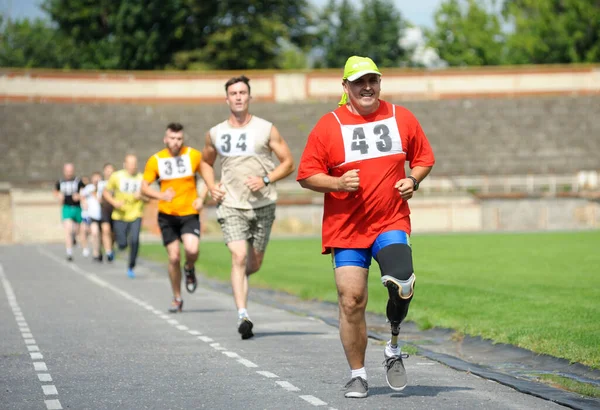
[[246, 193]]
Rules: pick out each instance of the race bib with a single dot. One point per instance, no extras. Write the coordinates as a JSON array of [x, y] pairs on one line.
[[130, 185], [175, 167], [69, 188], [371, 140], [235, 143]]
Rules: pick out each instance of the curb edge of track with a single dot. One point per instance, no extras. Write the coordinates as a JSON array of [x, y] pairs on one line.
[[540, 390]]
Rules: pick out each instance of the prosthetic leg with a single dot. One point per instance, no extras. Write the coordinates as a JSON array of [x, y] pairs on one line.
[[396, 266]]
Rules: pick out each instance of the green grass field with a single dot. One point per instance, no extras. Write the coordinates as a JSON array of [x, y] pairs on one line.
[[539, 291]]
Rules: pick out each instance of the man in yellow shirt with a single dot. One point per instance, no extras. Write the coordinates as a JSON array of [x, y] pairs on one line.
[[175, 167], [123, 193]]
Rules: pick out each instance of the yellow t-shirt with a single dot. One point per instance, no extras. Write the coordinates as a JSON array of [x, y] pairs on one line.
[[124, 186], [178, 173]]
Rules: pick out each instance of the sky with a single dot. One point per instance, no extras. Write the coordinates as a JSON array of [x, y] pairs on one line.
[[418, 12]]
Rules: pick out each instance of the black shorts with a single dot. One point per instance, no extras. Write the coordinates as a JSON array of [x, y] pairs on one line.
[[173, 226], [106, 213]]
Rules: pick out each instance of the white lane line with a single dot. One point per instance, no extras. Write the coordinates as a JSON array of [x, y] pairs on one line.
[[94, 278], [287, 385], [32, 347], [53, 405], [247, 362], [267, 374], [40, 367], [49, 390], [313, 400], [425, 364], [233, 355]]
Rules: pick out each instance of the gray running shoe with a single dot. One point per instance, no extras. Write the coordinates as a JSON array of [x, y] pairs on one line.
[[357, 388], [395, 374]]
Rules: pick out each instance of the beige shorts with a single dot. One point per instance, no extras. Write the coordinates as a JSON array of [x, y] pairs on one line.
[[253, 225]]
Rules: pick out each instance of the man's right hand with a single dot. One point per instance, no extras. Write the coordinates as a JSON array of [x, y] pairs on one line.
[[349, 181], [217, 192], [168, 195]]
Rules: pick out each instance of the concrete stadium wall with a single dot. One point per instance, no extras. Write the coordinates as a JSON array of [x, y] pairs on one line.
[[276, 86], [34, 216], [487, 136]]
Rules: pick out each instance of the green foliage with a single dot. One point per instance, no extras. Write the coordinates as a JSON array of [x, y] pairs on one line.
[[292, 58], [34, 44], [372, 31], [467, 34], [509, 288], [380, 36], [248, 35], [131, 34], [271, 34], [553, 31]]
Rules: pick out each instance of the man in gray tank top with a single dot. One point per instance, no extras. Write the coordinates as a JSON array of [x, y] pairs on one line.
[[246, 193]]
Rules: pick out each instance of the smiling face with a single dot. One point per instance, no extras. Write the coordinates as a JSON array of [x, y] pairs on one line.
[[238, 97], [363, 93]]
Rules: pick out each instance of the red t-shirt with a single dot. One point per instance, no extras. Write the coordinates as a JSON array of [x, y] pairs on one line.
[[378, 145]]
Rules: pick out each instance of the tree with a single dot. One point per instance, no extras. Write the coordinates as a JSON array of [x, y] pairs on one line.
[[380, 36], [372, 31], [553, 31], [466, 33], [339, 33], [33, 44], [249, 34], [132, 34]]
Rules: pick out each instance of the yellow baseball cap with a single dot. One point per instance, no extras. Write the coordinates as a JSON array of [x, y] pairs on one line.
[[355, 68]]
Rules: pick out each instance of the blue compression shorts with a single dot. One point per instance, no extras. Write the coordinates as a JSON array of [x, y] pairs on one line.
[[361, 257]]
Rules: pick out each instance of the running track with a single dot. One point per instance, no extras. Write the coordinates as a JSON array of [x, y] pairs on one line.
[[83, 336]]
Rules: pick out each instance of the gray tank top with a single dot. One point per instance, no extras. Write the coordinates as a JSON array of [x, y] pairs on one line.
[[244, 152]]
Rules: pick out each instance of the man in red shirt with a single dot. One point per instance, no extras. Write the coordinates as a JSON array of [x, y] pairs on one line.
[[355, 155]]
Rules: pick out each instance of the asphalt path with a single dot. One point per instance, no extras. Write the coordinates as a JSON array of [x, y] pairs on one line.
[[80, 335]]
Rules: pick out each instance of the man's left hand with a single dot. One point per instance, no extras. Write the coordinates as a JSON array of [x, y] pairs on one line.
[[198, 204], [406, 188], [255, 183]]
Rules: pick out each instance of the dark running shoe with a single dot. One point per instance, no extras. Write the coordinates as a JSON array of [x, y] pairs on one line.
[[110, 256], [176, 306], [357, 388], [245, 328], [190, 279]]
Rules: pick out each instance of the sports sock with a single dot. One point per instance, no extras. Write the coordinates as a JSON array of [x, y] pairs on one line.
[[359, 373], [391, 350]]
